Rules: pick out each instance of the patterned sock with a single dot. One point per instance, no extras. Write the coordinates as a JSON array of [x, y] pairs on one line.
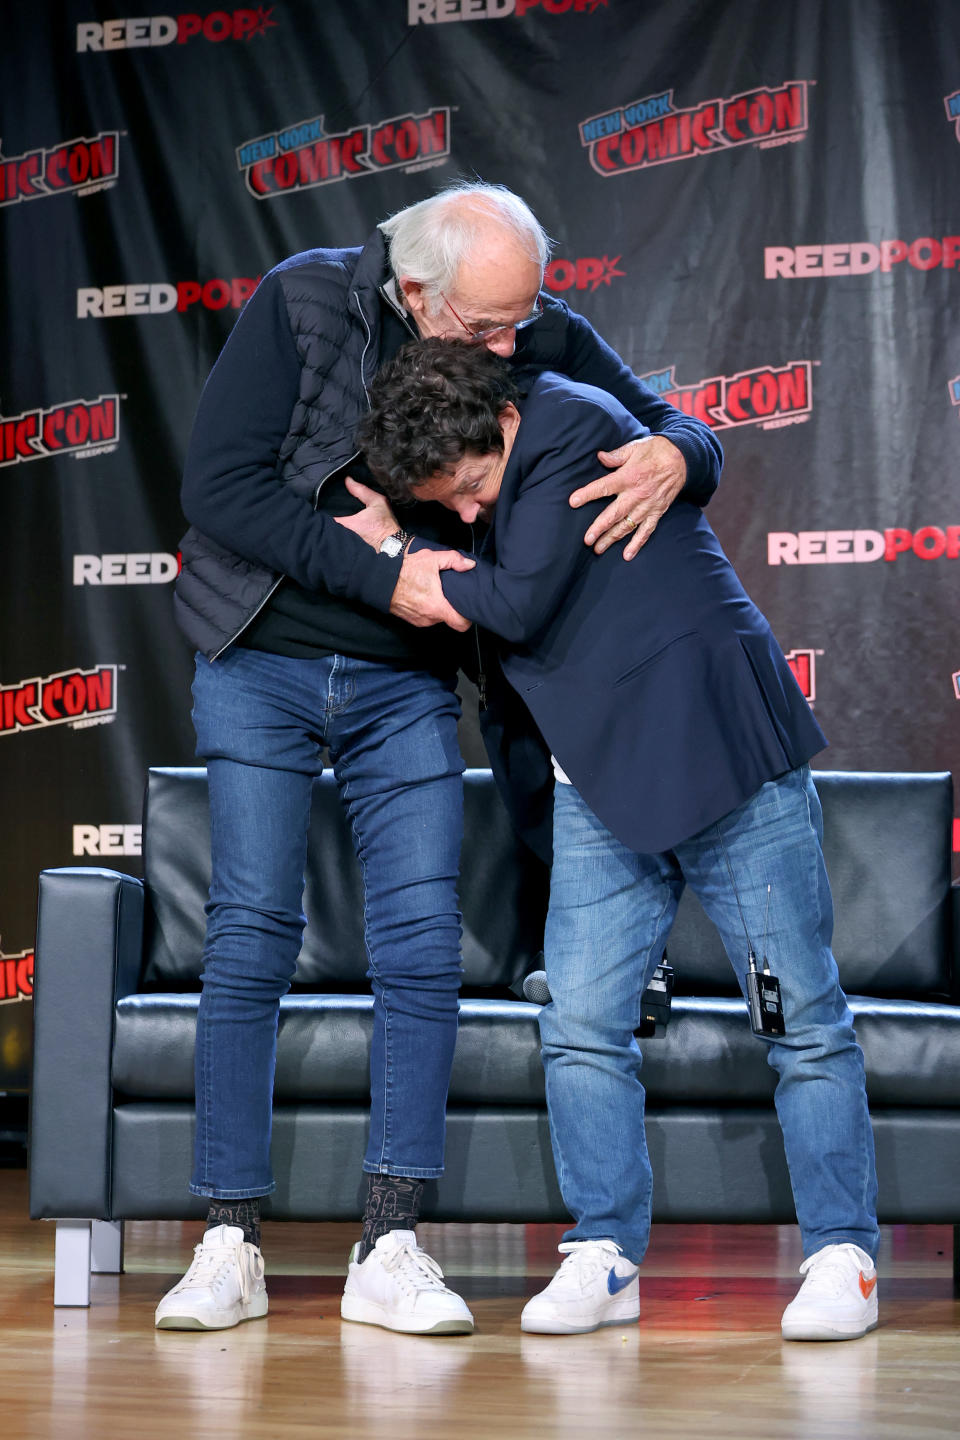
[[393, 1203], [245, 1213]]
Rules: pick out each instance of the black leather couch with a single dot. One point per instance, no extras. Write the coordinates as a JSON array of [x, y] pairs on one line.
[[116, 990]]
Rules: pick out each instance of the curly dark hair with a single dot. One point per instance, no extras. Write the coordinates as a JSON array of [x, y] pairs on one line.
[[434, 402]]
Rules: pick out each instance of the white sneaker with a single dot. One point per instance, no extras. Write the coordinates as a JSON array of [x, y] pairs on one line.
[[594, 1286], [399, 1287], [837, 1300], [223, 1286]]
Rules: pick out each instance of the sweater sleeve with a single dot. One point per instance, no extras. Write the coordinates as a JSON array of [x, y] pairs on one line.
[[539, 542], [588, 358], [232, 490]]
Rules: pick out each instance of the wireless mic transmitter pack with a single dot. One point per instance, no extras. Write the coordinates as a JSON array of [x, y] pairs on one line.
[[764, 1003], [655, 1003]]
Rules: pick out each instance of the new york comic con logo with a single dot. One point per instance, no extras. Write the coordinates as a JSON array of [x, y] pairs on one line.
[[81, 428], [77, 167], [952, 105], [771, 396], [803, 663], [954, 386], [73, 697], [653, 131], [304, 155], [16, 977]]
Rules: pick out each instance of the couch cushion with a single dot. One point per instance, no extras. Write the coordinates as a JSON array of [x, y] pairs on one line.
[[886, 842], [887, 846], [503, 888], [708, 1054]]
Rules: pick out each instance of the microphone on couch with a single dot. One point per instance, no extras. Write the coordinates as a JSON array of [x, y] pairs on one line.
[[535, 987], [654, 1004]]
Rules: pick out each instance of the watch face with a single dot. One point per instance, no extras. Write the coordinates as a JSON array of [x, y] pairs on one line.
[[391, 546]]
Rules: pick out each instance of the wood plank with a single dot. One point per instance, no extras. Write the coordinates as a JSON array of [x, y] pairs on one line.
[[705, 1360]]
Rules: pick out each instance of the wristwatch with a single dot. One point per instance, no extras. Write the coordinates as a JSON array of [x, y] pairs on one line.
[[394, 544]]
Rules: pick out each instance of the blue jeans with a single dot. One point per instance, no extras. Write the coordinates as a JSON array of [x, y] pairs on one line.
[[261, 721], [610, 913]]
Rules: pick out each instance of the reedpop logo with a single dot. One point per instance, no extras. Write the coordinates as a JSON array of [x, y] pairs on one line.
[[586, 273], [103, 302], [150, 30], [860, 547], [859, 257], [440, 12]]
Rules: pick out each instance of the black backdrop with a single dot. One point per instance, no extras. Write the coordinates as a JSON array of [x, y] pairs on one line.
[[758, 205]]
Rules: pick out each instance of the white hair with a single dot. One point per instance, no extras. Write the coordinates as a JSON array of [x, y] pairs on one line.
[[430, 240]]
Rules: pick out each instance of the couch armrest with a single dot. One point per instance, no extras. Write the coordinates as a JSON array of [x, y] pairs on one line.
[[88, 954]]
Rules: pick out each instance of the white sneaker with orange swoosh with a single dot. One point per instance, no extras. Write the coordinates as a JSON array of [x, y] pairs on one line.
[[838, 1298]]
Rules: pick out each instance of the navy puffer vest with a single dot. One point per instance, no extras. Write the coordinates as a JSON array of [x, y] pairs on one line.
[[334, 311]]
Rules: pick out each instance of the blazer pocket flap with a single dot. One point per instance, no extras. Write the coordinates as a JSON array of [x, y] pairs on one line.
[[641, 665]]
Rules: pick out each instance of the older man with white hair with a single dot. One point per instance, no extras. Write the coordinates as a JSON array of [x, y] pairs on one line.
[[302, 644]]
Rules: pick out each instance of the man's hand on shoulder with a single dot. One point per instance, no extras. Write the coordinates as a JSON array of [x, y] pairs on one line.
[[645, 478], [418, 597]]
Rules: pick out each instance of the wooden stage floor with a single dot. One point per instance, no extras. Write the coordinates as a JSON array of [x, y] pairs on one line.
[[706, 1359]]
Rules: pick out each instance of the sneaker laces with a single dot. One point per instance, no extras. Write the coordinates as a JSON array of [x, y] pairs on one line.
[[832, 1270], [586, 1259], [412, 1267], [212, 1262]]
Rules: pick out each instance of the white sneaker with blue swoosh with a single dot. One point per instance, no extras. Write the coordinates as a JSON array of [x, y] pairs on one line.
[[596, 1285]]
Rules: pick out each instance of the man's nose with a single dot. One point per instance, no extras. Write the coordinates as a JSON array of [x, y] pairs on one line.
[[468, 511], [504, 342]]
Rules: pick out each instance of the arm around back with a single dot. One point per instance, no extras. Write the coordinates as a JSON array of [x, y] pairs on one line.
[[582, 354]]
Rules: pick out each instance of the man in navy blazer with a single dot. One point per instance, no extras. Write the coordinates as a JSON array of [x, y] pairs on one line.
[[679, 740]]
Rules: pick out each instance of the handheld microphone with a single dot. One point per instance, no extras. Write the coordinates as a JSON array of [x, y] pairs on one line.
[[654, 1005], [535, 988]]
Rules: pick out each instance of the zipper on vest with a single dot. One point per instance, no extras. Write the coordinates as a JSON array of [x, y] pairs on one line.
[[269, 595], [316, 494], [366, 326], [279, 580], [324, 478]]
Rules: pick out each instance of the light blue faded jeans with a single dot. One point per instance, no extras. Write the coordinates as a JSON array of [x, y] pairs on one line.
[[261, 722], [610, 914]]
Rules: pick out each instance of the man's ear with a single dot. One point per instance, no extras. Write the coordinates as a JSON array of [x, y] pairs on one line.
[[413, 295], [508, 420]]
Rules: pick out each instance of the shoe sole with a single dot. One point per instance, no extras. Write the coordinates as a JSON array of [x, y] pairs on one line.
[[825, 1332], [365, 1312], [556, 1327], [256, 1309]]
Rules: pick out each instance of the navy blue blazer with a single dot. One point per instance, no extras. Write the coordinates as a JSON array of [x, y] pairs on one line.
[[657, 683]]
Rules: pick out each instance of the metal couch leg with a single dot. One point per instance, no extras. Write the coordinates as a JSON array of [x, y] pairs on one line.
[[106, 1247], [956, 1259], [71, 1272]]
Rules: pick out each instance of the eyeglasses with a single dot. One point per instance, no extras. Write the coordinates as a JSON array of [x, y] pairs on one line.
[[494, 329]]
